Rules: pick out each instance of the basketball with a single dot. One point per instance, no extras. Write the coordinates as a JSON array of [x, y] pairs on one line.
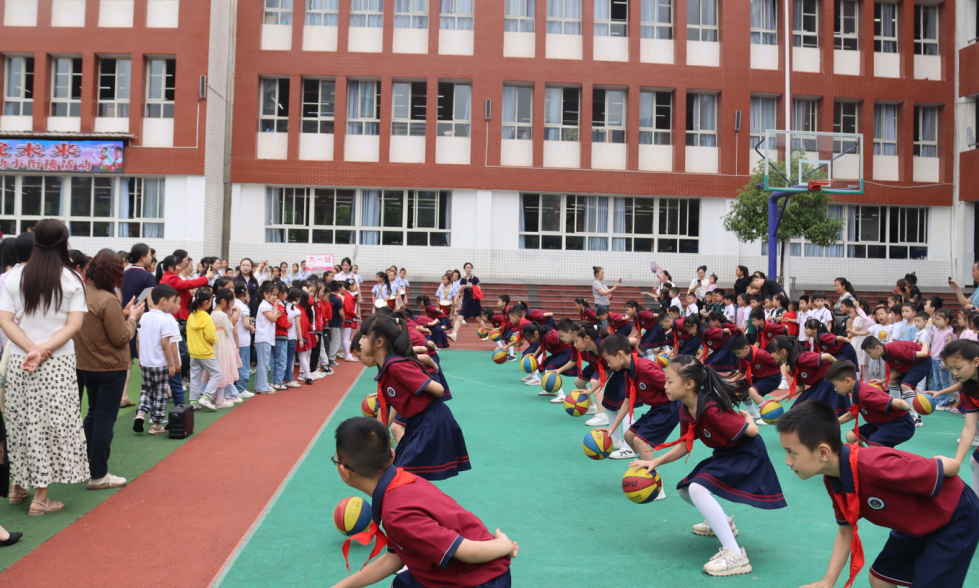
[[513, 337], [551, 382], [369, 406], [640, 486], [923, 403], [663, 359], [495, 335], [352, 516], [499, 356], [597, 444], [529, 364], [771, 411], [576, 404], [482, 332]]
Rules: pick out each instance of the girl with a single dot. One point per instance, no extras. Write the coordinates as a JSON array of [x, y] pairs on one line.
[[554, 353], [759, 370], [683, 342], [540, 317], [306, 339], [351, 317], [857, 330], [292, 336], [714, 340], [647, 328], [608, 388], [243, 330], [470, 304], [295, 276], [790, 319], [433, 446], [445, 294], [780, 305], [616, 322], [201, 337], [941, 335], [585, 312], [968, 331], [823, 342], [962, 359], [383, 290], [739, 469], [516, 316], [712, 283], [405, 285], [225, 316], [457, 298], [268, 313], [284, 274], [437, 321], [808, 368]]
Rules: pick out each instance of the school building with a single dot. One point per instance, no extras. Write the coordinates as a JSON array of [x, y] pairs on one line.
[[533, 139]]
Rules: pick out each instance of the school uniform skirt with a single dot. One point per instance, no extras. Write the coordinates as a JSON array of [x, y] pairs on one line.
[[646, 341], [742, 474], [531, 349], [723, 360], [615, 397], [824, 392], [888, 434], [625, 331], [690, 347], [768, 384], [439, 337], [555, 361], [439, 377], [433, 446], [657, 424], [848, 353], [470, 306]]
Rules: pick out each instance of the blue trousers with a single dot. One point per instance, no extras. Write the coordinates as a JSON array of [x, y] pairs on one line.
[[263, 362], [245, 354], [290, 360], [279, 361]]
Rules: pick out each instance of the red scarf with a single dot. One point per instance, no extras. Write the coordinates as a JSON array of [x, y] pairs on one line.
[[849, 504], [887, 370], [401, 478], [747, 372], [382, 403], [687, 439], [632, 384]]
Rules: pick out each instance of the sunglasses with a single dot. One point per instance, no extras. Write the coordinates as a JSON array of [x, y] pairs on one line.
[[340, 463]]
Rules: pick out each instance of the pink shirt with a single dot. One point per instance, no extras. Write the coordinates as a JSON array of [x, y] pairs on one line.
[[939, 339]]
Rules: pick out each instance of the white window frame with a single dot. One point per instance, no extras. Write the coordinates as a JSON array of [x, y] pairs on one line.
[[409, 102], [764, 22], [291, 216], [703, 24], [319, 116], [925, 143], [91, 224], [704, 131], [66, 96], [624, 232], [359, 124], [278, 12], [18, 94], [609, 125], [519, 16], [846, 25], [766, 107], [656, 19], [411, 14], [367, 13], [846, 119], [885, 129], [455, 118], [655, 117], [561, 19], [315, 224], [273, 105], [561, 130], [894, 230], [519, 126], [322, 13], [686, 236], [803, 248], [884, 43], [456, 15], [606, 22], [114, 101], [8, 204], [805, 23], [431, 234], [805, 119], [592, 214], [925, 40], [160, 100], [52, 199], [142, 209]]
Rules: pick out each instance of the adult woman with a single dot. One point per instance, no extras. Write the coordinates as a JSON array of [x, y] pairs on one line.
[[908, 289], [844, 289], [699, 285], [136, 278], [470, 306], [602, 293], [246, 277], [102, 347], [45, 439], [743, 280], [344, 274]]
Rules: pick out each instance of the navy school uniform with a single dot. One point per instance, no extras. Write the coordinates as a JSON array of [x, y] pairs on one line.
[[556, 353], [439, 337], [810, 370], [433, 446], [900, 357], [885, 426], [714, 341], [536, 315], [765, 335], [739, 469], [619, 324], [418, 339], [827, 343], [597, 369], [934, 520], [645, 383], [761, 370], [654, 335], [970, 404]]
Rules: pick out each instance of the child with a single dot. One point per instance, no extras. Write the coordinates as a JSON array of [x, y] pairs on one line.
[[446, 293], [820, 312], [888, 422], [439, 542], [969, 328], [588, 343], [759, 369], [552, 352], [292, 336], [644, 382], [714, 340], [908, 329], [739, 469], [765, 331], [306, 339], [383, 290], [157, 358], [404, 286], [907, 363], [616, 322], [962, 359], [585, 312], [780, 305], [244, 329], [742, 316], [268, 313], [941, 335], [201, 338], [857, 330], [351, 316], [931, 514], [809, 370], [823, 342], [225, 349], [282, 324], [790, 320], [565, 332], [730, 308], [649, 328], [691, 308], [802, 316]]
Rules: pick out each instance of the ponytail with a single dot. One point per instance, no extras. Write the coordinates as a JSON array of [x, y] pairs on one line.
[[711, 385], [792, 346], [534, 328], [202, 295], [816, 325], [581, 301], [394, 332], [593, 332], [423, 300]]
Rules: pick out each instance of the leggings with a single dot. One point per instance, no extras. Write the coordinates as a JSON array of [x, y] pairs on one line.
[[703, 499]]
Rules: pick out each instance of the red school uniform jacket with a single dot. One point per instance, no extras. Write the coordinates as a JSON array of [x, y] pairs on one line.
[[183, 287], [282, 323], [759, 364], [644, 320], [810, 369], [402, 381], [616, 321], [551, 343], [434, 313], [827, 343], [970, 396], [769, 332], [349, 310], [646, 379], [306, 340], [589, 315], [874, 404], [714, 337], [898, 490], [717, 428], [793, 328], [536, 315], [496, 320], [900, 355]]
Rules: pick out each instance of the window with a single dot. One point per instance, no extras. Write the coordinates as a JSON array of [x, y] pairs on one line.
[[879, 232], [410, 14], [611, 18], [161, 88], [8, 205], [608, 116], [885, 27], [845, 33], [804, 119], [763, 24], [519, 16], [18, 95], [563, 17], [114, 87], [40, 197], [925, 30], [275, 106], [633, 221], [322, 13], [454, 110], [540, 214], [417, 210], [431, 210], [584, 216], [885, 129], [805, 24], [702, 20], [142, 208], [363, 108], [367, 13], [288, 215], [518, 104], [844, 121], [925, 131], [655, 118], [457, 15], [91, 198], [278, 12], [408, 109], [803, 248], [288, 207], [333, 215], [561, 114], [66, 86], [763, 113], [657, 19], [319, 101], [908, 233], [701, 120], [679, 223]]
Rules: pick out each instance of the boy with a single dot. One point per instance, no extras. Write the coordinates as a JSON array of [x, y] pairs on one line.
[[159, 359], [908, 329], [820, 312], [888, 423], [765, 331], [932, 305], [336, 322], [675, 299], [753, 303], [922, 334], [907, 363], [931, 513], [730, 310], [691, 304], [769, 306], [759, 369], [439, 542], [802, 316]]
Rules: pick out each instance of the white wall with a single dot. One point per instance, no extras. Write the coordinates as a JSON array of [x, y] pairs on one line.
[[562, 154], [505, 220], [762, 56], [20, 123], [316, 146], [68, 13], [65, 124], [610, 49], [563, 46], [846, 63], [518, 44], [183, 213], [316, 38], [886, 168], [656, 158], [116, 13], [453, 150], [701, 160], [410, 40], [272, 146], [926, 169], [805, 59], [276, 37], [162, 14], [20, 13], [361, 148], [111, 125], [608, 155], [703, 53], [887, 65], [453, 42], [465, 220], [656, 51], [516, 153], [927, 67], [407, 149], [365, 39], [157, 132]]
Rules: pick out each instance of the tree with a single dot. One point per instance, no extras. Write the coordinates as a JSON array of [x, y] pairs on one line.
[[807, 214]]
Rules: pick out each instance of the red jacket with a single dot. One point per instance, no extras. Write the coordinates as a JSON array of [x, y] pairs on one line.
[[183, 287], [304, 330], [282, 323], [349, 310]]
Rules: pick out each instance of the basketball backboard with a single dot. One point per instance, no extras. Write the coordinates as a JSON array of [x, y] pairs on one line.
[[791, 158]]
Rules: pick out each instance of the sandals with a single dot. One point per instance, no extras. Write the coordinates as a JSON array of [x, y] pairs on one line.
[[51, 506], [20, 497], [156, 429]]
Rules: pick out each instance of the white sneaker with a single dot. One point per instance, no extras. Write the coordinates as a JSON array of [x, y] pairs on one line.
[[294, 384], [593, 409], [225, 404], [752, 410], [760, 422], [599, 420], [535, 382], [703, 529], [464, 322], [917, 420], [246, 394], [106, 482], [728, 562], [542, 392], [453, 336], [527, 378], [624, 452], [206, 403], [784, 385], [558, 400], [662, 493], [236, 400]]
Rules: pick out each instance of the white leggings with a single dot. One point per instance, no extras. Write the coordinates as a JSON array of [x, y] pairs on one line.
[[304, 372], [346, 342], [710, 509]]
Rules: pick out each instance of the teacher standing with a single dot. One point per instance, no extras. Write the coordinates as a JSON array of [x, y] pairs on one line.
[[602, 293]]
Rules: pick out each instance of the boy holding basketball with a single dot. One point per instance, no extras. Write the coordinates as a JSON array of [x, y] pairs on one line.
[[906, 364], [933, 516], [440, 543], [888, 423]]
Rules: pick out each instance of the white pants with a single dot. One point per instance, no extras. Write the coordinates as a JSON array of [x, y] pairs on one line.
[[347, 331]]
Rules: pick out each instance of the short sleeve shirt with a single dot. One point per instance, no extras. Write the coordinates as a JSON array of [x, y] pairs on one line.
[[875, 404], [243, 339], [649, 380], [970, 396], [762, 364], [900, 355], [552, 343], [810, 368], [41, 325], [717, 428], [829, 344], [264, 328], [600, 299], [403, 382], [154, 326]]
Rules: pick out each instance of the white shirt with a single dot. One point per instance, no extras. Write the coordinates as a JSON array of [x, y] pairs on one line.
[[381, 292], [801, 317], [154, 326], [444, 292], [823, 315], [342, 276], [175, 329], [700, 286], [730, 312], [264, 328], [40, 326], [292, 313], [302, 274], [676, 302], [692, 309], [243, 338], [923, 337]]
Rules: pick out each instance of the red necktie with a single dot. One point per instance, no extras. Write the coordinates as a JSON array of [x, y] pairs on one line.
[[687, 438], [382, 403], [794, 384], [632, 384], [849, 504], [747, 372], [401, 478]]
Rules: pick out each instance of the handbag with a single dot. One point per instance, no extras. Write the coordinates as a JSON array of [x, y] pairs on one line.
[[477, 292]]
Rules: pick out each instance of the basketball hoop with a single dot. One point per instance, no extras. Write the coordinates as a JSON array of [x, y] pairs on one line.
[[817, 185]]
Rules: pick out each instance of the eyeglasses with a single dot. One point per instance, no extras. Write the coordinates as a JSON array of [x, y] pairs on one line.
[[340, 463]]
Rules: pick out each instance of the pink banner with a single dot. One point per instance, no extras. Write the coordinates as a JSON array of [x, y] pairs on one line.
[[61, 156]]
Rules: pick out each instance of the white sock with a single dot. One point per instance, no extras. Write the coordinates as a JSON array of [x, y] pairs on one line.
[[752, 410], [561, 394], [616, 434], [710, 509], [975, 475]]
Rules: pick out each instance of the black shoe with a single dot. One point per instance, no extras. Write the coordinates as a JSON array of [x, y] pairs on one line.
[[138, 424], [14, 538], [309, 381]]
